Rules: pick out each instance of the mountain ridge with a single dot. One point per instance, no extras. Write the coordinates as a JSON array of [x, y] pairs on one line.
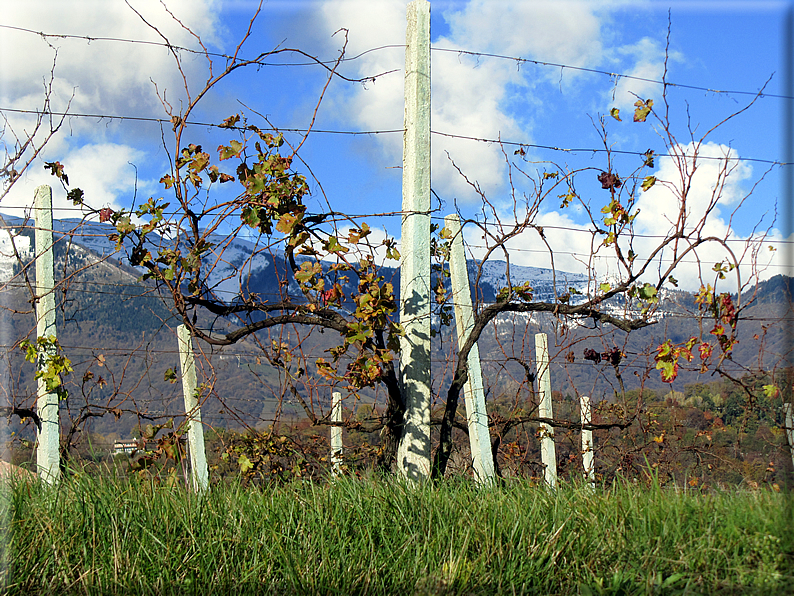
[[108, 312]]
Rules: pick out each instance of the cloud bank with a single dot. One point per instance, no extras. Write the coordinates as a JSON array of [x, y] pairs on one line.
[[95, 77]]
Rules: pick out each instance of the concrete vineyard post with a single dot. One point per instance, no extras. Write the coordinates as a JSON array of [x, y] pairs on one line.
[[548, 453], [413, 453], [587, 440], [49, 436], [195, 431], [476, 414], [336, 433], [789, 428]]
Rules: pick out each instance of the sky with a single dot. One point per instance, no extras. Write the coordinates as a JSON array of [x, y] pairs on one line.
[[556, 101]]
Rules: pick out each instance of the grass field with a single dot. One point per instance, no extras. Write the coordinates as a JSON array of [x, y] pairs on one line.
[[120, 536]]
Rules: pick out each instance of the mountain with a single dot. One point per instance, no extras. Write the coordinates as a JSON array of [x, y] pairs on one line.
[[119, 329], [262, 274]]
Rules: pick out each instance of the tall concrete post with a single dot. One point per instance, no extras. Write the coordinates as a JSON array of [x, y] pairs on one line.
[[548, 453], [49, 436], [195, 430], [587, 440], [413, 453], [476, 414], [336, 433], [789, 428]]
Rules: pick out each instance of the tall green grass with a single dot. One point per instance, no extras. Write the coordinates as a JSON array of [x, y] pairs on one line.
[[120, 536]]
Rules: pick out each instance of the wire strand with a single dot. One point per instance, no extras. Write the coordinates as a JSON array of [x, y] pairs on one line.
[[604, 150], [171, 46], [386, 131], [615, 75], [462, 52]]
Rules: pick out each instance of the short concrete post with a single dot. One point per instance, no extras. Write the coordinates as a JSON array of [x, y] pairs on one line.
[[49, 436], [548, 453], [195, 431], [789, 428], [476, 414], [587, 440], [336, 434], [413, 453]]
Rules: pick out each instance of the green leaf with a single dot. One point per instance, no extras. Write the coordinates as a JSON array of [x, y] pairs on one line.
[[673, 579], [250, 217], [233, 150], [604, 287], [332, 245], [244, 463], [648, 292], [648, 182], [51, 364], [287, 223], [615, 113], [149, 431], [170, 376], [770, 391], [669, 370], [124, 225]]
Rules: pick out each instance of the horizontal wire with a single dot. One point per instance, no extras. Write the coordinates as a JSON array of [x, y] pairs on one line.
[[440, 218], [624, 236], [202, 52], [251, 357], [194, 123], [458, 51], [605, 150], [615, 75], [392, 131], [152, 296]]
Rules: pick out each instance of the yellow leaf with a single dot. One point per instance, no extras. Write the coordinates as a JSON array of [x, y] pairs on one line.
[[648, 182]]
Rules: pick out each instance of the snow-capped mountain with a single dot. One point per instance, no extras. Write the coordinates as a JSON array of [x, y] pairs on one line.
[[232, 271], [493, 276]]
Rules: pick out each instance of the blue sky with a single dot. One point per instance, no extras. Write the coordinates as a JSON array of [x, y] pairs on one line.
[[719, 45]]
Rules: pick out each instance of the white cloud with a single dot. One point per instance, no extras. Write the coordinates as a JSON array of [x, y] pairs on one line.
[[648, 58], [709, 193], [105, 76], [471, 96], [567, 32], [714, 200], [95, 77], [103, 171], [704, 185]]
